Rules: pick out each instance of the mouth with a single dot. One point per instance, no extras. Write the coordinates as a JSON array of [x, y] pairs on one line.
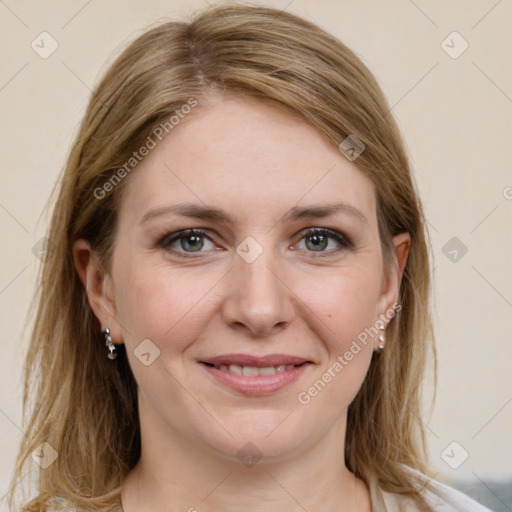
[[254, 376]]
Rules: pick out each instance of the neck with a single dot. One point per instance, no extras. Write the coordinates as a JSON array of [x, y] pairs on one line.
[[178, 474]]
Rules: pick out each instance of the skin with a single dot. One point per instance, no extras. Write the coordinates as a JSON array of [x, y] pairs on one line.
[[256, 162]]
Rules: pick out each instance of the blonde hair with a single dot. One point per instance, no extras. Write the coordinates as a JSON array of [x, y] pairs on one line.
[[85, 405]]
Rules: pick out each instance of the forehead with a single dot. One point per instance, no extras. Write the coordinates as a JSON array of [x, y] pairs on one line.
[[248, 157]]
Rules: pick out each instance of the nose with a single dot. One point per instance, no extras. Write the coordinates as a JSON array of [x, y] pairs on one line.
[[258, 300]]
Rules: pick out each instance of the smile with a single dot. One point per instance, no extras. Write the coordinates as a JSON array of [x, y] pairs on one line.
[[261, 377]]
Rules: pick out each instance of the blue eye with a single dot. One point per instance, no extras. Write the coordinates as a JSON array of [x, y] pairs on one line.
[[189, 241], [319, 238]]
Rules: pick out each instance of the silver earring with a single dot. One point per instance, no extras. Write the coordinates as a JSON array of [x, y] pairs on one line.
[[108, 342], [382, 338]]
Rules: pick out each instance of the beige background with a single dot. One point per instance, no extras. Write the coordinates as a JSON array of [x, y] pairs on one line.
[[455, 114]]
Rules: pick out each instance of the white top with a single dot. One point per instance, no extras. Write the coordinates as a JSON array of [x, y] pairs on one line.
[[440, 497]]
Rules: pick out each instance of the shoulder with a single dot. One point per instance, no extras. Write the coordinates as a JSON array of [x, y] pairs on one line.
[[440, 497]]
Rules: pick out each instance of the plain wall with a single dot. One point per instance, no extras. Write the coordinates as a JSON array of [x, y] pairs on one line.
[[456, 118]]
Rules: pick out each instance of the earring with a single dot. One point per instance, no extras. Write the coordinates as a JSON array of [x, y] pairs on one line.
[[108, 342], [382, 338]]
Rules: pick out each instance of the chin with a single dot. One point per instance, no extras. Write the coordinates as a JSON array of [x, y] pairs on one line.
[[265, 436]]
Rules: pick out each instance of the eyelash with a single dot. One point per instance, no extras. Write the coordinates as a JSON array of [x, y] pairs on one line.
[[168, 239]]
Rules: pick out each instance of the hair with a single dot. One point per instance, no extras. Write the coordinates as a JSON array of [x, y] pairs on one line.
[[85, 405]]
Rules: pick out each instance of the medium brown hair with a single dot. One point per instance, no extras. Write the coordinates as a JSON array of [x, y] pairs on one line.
[[85, 405]]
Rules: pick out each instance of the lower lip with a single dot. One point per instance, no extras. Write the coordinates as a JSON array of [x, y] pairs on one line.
[[258, 385]]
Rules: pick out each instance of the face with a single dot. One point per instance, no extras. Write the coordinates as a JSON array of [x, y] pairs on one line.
[[268, 296]]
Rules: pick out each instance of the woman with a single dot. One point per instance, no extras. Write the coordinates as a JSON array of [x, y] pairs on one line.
[[235, 314]]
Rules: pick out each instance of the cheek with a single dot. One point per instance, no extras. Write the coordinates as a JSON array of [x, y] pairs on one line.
[[170, 309], [345, 308], [158, 302], [346, 301]]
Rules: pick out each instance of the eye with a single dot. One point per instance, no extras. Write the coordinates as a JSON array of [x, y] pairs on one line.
[[188, 241], [317, 240]]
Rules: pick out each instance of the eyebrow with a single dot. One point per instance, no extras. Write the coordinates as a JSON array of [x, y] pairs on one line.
[[196, 211]]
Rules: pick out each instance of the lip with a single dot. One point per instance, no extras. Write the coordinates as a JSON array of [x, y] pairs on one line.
[[260, 385]]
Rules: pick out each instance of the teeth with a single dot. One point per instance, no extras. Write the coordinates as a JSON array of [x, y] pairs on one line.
[[253, 371], [250, 371]]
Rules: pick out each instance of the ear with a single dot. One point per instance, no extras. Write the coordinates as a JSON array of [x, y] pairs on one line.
[[98, 287], [392, 278]]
